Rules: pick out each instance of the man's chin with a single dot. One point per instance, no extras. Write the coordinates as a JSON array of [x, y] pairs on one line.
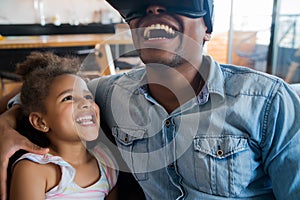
[[154, 56]]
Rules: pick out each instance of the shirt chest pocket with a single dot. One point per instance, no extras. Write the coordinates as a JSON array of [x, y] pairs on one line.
[[134, 149], [222, 164]]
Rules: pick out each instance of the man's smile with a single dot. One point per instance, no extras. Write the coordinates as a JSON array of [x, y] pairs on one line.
[[159, 31]]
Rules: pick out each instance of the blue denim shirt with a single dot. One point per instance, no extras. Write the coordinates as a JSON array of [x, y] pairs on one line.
[[238, 139]]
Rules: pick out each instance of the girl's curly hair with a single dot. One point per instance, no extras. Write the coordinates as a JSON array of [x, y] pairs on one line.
[[38, 72]]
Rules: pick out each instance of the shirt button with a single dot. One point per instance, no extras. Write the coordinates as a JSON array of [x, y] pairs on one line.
[[220, 153], [171, 165], [167, 123]]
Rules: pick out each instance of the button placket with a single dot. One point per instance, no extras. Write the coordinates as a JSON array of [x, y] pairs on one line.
[[169, 132], [167, 123]]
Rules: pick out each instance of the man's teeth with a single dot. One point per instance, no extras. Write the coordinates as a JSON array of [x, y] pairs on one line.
[[169, 32]]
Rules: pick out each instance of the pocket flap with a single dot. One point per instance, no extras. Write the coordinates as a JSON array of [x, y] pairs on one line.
[[220, 147], [126, 136]]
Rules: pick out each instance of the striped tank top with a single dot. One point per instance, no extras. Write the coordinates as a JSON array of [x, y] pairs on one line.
[[67, 188]]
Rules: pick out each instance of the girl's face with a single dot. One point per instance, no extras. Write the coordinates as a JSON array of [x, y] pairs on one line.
[[71, 113]]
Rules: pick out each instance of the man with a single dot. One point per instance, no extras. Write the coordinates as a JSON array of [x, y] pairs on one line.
[[186, 126]]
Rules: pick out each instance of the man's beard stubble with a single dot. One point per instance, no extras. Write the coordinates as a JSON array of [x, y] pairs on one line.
[[174, 62]]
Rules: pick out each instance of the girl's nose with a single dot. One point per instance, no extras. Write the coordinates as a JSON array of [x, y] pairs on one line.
[[85, 103]]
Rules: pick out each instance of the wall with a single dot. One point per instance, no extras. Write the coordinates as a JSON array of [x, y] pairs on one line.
[[57, 11]]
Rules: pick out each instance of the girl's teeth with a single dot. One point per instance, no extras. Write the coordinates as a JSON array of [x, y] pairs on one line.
[[85, 118]]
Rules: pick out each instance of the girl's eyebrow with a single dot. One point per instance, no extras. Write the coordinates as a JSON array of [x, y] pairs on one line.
[[71, 91], [65, 92]]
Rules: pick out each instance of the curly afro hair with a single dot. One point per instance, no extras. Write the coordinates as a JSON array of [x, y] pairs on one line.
[[38, 71]]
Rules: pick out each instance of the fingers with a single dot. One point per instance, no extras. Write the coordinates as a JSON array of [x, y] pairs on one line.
[[32, 148], [9, 144], [3, 178]]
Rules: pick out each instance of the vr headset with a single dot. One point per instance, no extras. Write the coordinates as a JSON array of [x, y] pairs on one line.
[[130, 9]]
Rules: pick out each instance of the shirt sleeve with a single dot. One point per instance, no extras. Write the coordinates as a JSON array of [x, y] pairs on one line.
[[14, 101], [100, 87], [296, 87], [281, 143]]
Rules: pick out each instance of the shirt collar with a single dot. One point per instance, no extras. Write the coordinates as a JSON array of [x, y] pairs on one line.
[[143, 89], [213, 76], [203, 95]]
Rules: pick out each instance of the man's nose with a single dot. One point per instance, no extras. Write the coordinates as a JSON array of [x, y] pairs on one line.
[[155, 9]]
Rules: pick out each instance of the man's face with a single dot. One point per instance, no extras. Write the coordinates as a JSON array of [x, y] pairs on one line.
[[168, 39]]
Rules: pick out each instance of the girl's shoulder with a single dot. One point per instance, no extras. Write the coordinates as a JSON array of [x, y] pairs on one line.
[[29, 168], [34, 169]]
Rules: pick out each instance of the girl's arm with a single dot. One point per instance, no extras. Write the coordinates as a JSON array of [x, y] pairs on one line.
[[28, 181]]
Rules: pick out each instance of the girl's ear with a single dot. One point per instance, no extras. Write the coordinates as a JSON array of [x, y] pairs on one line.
[[38, 122]]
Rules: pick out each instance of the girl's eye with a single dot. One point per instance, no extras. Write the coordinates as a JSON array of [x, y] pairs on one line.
[[68, 98]]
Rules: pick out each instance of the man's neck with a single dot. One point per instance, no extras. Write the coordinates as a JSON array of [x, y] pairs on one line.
[[172, 87]]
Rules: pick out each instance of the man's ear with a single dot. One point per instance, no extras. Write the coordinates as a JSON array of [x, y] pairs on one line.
[[38, 122]]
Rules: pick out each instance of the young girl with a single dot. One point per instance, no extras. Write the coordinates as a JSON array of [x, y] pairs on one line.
[[59, 106]]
